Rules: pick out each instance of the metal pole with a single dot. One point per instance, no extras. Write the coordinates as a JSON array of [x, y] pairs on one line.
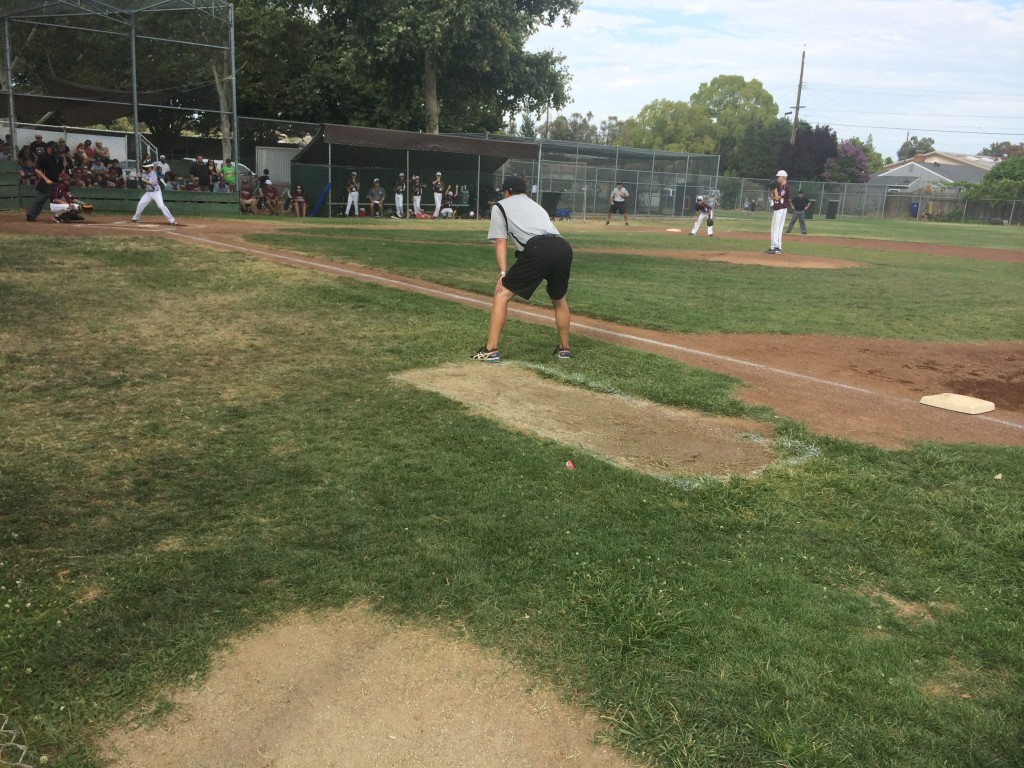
[[330, 185], [540, 160], [234, 86], [135, 99], [10, 88], [796, 114], [477, 207]]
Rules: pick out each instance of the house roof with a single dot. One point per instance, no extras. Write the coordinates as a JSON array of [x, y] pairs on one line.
[[378, 147], [933, 171], [983, 163]]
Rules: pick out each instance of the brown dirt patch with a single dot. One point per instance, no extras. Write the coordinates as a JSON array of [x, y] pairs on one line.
[[633, 433], [353, 689]]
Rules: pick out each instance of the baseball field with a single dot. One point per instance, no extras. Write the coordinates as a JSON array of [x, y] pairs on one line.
[[257, 507]]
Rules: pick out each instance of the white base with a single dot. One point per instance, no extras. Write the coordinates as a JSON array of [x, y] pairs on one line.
[[958, 403]]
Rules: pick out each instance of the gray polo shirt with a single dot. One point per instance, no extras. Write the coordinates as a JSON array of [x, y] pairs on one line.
[[525, 219]]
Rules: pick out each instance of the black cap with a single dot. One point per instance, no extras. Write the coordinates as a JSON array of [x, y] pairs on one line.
[[516, 184]]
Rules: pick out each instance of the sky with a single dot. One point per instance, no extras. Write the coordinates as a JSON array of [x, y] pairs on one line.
[[952, 70]]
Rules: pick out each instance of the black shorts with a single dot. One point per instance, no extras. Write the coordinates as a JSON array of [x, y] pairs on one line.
[[547, 257], [618, 207]]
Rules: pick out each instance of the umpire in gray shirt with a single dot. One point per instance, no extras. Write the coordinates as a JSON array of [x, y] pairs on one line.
[[542, 254]]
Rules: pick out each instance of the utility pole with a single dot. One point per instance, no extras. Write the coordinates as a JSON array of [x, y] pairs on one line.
[[799, 88]]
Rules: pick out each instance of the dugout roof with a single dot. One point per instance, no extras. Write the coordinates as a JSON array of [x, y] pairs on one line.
[[356, 146]]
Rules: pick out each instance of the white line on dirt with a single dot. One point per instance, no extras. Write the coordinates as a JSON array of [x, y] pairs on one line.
[[522, 312]]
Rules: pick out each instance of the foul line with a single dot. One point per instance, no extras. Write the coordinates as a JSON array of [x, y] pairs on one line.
[[592, 329]]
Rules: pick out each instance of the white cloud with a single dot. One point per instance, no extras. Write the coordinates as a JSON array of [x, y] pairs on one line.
[[949, 69]]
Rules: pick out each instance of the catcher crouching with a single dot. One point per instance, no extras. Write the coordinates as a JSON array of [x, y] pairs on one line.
[[64, 205]]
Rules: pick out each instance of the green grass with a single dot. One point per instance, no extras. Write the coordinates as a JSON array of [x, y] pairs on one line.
[[195, 443], [896, 295]]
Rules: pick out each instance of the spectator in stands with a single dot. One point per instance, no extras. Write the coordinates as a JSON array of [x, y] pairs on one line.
[[229, 174], [90, 152], [163, 167], [376, 197], [67, 160], [77, 177], [264, 178], [27, 170], [200, 173], [102, 151], [98, 169], [246, 199], [115, 174], [6, 151], [38, 146], [271, 199], [299, 202], [215, 177]]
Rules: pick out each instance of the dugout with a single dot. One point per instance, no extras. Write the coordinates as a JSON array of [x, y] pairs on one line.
[[323, 167]]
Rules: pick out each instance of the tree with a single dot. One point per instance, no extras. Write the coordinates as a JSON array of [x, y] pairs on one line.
[[674, 126], [849, 165], [733, 104], [757, 150], [528, 127], [914, 145], [1003, 149], [806, 158], [1004, 182], [610, 131], [574, 128], [469, 61], [874, 158]]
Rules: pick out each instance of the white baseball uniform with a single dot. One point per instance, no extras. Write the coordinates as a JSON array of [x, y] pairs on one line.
[[151, 183]]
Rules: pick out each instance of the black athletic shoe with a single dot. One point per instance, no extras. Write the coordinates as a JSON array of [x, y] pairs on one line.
[[562, 353]]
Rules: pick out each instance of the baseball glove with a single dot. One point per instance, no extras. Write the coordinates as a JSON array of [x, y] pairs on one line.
[[87, 208], [711, 222]]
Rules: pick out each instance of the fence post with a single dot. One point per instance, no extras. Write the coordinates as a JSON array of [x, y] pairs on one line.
[[963, 216], [135, 97], [10, 88]]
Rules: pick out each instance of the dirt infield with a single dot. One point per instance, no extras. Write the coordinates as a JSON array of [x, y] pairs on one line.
[[861, 389]]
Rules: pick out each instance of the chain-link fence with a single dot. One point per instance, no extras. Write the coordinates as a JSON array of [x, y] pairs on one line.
[[832, 200], [162, 69]]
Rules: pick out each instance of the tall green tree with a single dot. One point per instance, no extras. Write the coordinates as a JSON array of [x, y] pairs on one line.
[[610, 131], [806, 158], [756, 153], [734, 104], [674, 126], [913, 145], [1004, 182], [467, 59], [1003, 149], [576, 127]]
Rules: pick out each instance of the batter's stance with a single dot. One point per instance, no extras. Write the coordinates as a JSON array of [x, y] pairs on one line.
[[151, 183]]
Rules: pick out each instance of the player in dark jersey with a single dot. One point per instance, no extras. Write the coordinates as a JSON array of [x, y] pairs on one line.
[[703, 211]]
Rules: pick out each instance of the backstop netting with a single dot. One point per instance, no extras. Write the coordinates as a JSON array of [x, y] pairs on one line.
[[147, 70]]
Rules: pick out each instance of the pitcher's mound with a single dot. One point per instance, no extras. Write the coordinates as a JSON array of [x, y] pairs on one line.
[[632, 433]]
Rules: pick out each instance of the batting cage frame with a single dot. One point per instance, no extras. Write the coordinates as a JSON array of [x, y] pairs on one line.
[[99, 62]]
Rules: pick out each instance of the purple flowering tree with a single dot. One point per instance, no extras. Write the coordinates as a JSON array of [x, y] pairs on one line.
[[850, 165]]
